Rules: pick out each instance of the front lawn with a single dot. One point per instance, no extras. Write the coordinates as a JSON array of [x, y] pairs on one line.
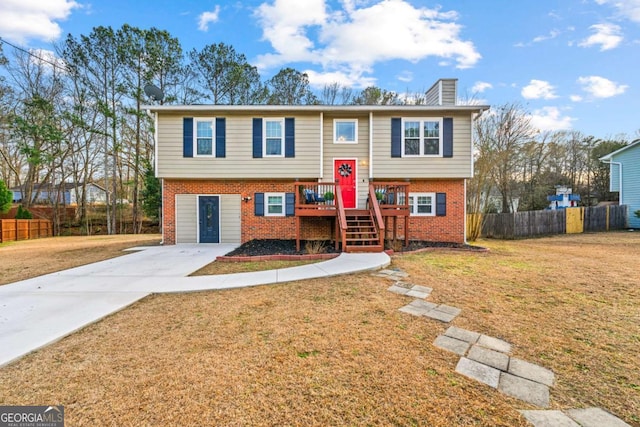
[[337, 351]]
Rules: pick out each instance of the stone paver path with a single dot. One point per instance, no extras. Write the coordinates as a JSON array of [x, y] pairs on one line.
[[588, 417], [486, 359]]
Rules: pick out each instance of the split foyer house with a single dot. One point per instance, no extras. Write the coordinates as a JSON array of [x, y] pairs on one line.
[[624, 177], [355, 174]]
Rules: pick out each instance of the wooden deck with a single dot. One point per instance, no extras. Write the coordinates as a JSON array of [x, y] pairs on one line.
[[362, 230]]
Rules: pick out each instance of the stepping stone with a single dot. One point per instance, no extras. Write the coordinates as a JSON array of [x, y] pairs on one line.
[[426, 305], [448, 309], [418, 291], [479, 372], [595, 417], [398, 290], [440, 315], [451, 344], [494, 344], [413, 310], [531, 372], [523, 389], [493, 358], [549, 419], [462, 334]]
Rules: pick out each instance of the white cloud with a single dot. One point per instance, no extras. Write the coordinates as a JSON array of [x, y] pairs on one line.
[[480, 87], [206, 18], [47, 58], [552, 35], [550, 119], [600, 87], [360, 35], [538, 89], [606, 35], [347, 79], [31, 19], [405, 76], [576, 98], [630, 9]]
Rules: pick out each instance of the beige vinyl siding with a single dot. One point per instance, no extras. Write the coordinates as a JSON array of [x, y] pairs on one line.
[[230, 218], [239, 161], [359, 151], [432, 97], [186, 218], [449, 91], [458, 166]]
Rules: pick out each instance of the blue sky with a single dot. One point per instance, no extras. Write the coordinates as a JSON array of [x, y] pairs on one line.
[[572, 64]]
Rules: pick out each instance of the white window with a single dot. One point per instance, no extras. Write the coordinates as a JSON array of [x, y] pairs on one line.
[[345, 131], [273, 137], [422, 204], [203, 131], [422, 137], [274, 204]]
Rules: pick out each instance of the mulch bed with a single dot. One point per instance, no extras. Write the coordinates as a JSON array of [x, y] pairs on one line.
[[281, 249]]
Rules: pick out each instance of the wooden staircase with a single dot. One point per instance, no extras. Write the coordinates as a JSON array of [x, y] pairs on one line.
[[361, 233]]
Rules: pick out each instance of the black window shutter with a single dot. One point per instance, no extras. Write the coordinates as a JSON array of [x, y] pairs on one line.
[[447, 137], [441, 204], [221, 135], [396, 137], [289, 137], [290, 202], [187, 137], [257, 138], [258, 202]]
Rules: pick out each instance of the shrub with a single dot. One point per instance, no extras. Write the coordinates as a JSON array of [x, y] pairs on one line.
[[314, 247], [23, 213], [6, 197], [637, 213]]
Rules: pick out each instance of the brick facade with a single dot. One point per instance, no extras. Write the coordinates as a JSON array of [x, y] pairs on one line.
[[449, 228]]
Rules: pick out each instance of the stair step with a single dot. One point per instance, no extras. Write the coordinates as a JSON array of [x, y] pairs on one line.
[[370, 248]]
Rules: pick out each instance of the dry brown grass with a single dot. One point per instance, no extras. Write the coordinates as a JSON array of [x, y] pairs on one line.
[[337, 351], [247, 266], [30, 258]]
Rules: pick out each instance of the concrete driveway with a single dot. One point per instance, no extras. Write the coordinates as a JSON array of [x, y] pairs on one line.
[[42, 310]]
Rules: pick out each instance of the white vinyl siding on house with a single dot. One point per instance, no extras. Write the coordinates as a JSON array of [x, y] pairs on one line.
[[187, 218], [239, 161], [387, 167]]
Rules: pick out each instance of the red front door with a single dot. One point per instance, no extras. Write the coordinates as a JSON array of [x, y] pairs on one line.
[[344, 172]]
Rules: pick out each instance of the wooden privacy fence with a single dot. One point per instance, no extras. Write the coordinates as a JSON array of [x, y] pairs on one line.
[[24, 229], [540, 223]]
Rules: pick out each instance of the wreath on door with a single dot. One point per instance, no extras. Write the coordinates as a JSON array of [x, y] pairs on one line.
[[345, 170]]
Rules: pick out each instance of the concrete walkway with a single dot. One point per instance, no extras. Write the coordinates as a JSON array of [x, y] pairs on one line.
[[39, 311]]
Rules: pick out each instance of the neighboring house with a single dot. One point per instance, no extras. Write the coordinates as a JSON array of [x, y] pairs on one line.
[[233, 173], [564, 198], [64, 194], [624, 168]]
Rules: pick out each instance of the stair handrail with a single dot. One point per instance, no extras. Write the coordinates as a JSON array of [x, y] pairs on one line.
[[376, 213], [342, 217]]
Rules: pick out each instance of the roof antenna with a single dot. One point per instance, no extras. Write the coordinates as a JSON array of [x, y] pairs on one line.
[[154, 92]]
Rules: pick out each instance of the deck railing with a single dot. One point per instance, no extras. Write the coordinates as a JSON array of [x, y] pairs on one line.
[[315, 198], [376, 214], [393, 197]]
